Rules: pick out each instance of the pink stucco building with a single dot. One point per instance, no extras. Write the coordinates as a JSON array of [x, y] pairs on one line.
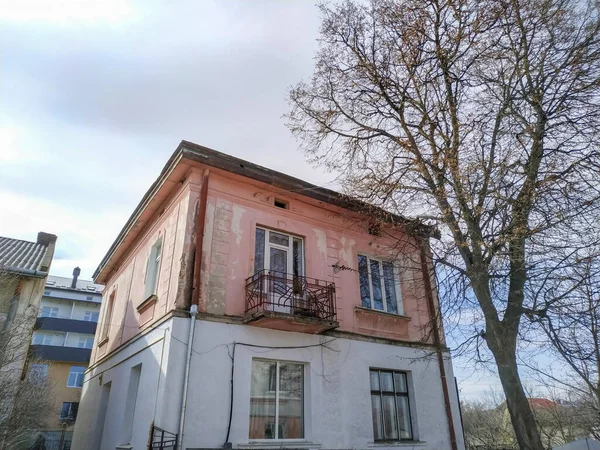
[[246, 308]]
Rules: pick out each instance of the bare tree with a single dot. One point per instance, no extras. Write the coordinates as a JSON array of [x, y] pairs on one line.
[[482, 116]]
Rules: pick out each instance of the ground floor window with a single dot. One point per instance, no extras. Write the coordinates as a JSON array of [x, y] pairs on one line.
[[277, 400], [390, 404]]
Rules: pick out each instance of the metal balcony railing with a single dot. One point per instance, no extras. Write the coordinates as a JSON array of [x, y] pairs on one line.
[[161, 439], [290, 294]]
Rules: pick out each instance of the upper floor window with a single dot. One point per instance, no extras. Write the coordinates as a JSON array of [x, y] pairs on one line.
[[379, 288], [152, 269], [110, 306], [390, 405], [278, 252], [75, 379], [91, 316], [86, 342], [41, 339], [277, 400], [49, 311]]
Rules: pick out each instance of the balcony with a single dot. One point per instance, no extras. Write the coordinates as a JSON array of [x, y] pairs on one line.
[[62, 354], [67, 325], [290, 302]]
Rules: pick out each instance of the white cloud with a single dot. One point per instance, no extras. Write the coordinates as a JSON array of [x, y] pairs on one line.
[[64, 11]]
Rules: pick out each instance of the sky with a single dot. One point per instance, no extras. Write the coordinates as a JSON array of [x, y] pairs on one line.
[[96, 95]]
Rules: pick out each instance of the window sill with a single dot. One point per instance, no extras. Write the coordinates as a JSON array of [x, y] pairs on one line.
[[382, 313], [151, 300], [279, 443], [102, 342], [397, 444]]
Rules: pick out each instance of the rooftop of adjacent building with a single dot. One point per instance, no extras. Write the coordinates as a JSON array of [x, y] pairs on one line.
[[74, 283], [27, 258]]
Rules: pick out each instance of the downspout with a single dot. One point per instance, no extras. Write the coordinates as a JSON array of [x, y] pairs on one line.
[[186, 377], [201, 219], [438, 343]]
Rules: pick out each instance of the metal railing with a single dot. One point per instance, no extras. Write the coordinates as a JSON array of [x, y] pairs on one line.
[[161, 439], [290, 294]]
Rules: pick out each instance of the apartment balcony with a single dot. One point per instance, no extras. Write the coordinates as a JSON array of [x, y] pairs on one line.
[[61, 354], [289, 302], [67, 325]]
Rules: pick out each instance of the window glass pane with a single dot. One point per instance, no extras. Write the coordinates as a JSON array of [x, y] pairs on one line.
[[298, 263], [259, 250], [363, 276], [377, 422], [374, 380], [291, 401], [376, 285], [404, 418], [278, 261], [387, 384], [400, 381], [390, 424], [279, 239], [262, 401], [64, 411], [390, 287]]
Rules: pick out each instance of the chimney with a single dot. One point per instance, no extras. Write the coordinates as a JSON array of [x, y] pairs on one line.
[[46, 238], [76, 272]]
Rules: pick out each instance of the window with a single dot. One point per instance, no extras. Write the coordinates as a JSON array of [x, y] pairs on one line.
[[278, 252], [49, 311], [86, 342], [75, 379], [46, 292], [38, 372], [69, 410], [389, 401], [110, 306], [152, 269], [89, 297], [281, 204], [378, 286], [91, 316], [277, 400], [41, 339]]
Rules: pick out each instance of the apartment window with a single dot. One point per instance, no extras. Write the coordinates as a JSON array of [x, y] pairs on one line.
[[75, 379], [41, 339], [69, 411], [390, 404], [278, 252], [86, 342], [277, 400], [152, 269], [49, 311], [379, 288], [91, 316], [89, 297], [108, 316], [38, 372], [46, 292]]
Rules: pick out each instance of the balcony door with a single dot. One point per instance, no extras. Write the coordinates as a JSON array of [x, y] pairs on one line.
[[281, 257]]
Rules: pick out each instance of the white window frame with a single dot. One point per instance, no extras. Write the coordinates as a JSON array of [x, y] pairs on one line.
[[277, 393], [79, 375], [397, 287], [289, 249], [153, 269], [88, 315], [53, 311]]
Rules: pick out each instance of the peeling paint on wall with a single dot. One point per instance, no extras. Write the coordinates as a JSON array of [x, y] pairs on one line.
[[236, 221], [347, 251], [321, 241]]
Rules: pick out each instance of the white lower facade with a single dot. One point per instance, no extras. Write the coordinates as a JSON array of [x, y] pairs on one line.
[[142, 383]]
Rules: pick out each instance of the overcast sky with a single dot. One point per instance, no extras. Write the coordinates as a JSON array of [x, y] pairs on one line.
[[96, 96]]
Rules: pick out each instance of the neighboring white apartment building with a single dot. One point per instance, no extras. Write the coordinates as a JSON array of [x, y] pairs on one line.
[[62, 342], [245, 308]]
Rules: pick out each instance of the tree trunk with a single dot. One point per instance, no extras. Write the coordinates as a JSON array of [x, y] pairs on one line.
[[521, 415]]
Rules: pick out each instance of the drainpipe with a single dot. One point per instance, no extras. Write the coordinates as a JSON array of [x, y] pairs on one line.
[[186, 378], [436, 325]]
